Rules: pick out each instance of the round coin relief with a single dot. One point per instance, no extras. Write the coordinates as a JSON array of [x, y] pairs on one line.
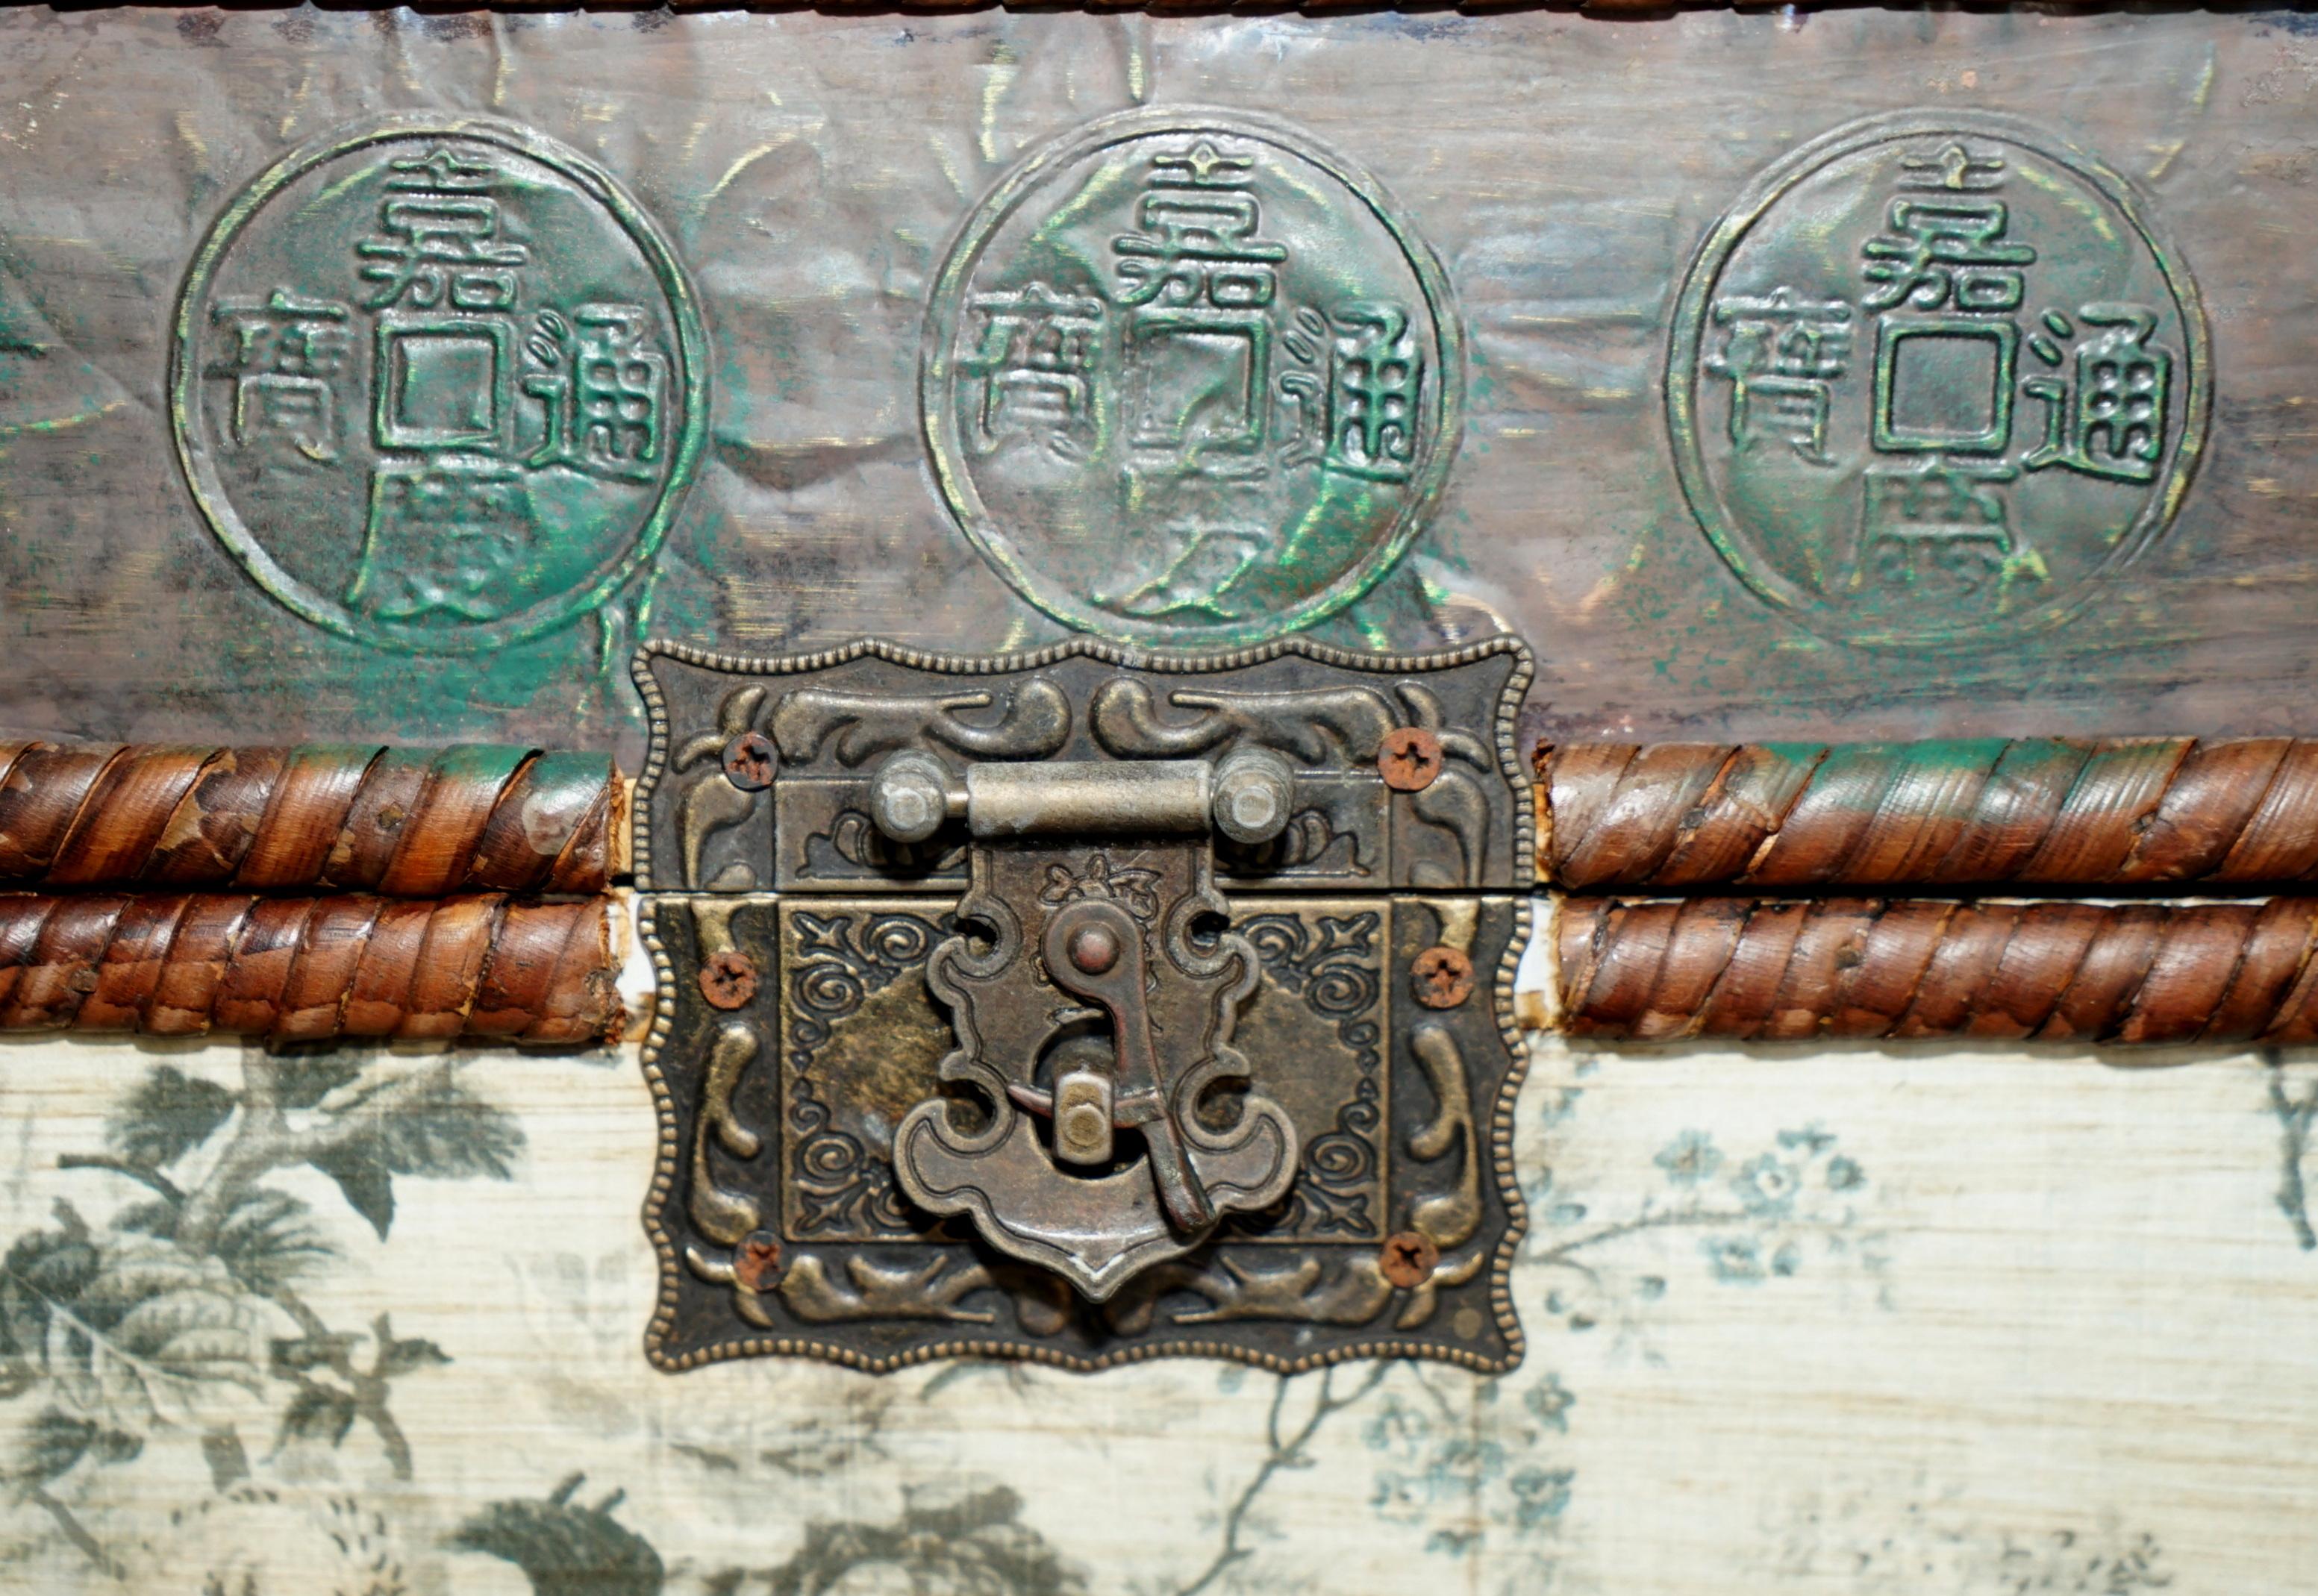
[[438, 384], [1933, 375], [1187, 379]]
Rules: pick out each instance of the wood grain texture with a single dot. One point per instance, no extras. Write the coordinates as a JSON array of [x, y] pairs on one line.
[[403, 822], [301, 969]]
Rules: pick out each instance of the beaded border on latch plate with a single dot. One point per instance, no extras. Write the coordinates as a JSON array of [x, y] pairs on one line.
[[1501, 1121]]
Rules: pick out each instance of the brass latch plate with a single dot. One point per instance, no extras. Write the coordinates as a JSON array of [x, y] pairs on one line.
[[1084, 1005]]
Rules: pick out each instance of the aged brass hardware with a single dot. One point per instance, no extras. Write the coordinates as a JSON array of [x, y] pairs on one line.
[[1166, 996], [1095, 1233], [1111, 1003]]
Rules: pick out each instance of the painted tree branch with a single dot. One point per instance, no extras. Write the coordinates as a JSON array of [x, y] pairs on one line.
[[2295, 1113], [265, 1139], [1284, 1449]]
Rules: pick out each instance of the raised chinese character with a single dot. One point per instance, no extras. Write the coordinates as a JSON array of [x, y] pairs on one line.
[[1941, 524], [443, 539], [1782, 354], [1204, 560], [285, 356], [2106, 415], [439, 240], [1954, 166], [1199, 246], [1946, 253], [1198, 280], [603, 382], [1376, 376], [1033, 373]]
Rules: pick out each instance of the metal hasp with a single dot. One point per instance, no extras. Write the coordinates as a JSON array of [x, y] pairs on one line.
[[1084, 1005], [1076, 1203]]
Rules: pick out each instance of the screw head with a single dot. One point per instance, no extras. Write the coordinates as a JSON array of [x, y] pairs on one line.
[[756, 1261], [1093, 949], [749, 760], [728, 979], [1440, 978], [1408, 1259], [1408, 758]]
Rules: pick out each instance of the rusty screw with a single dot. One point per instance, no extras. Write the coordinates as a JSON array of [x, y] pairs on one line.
[[1408, 1259], [756, 1261], [748, 761], [1441, 977], [729, 978], [1408, 759]]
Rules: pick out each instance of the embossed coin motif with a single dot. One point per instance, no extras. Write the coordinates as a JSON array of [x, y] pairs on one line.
[[1189, 378], [437, 384], [1935, 374]]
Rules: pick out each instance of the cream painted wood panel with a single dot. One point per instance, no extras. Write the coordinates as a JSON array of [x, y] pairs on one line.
[[1800, 1320]]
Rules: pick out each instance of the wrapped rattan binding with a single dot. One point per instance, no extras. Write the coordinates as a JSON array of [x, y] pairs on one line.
[[402, 822]]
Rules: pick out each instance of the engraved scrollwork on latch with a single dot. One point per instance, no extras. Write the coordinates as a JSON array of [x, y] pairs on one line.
[[1084, 1005], [729, 1219], [715, 800], [1455, 801], [1032, 722], [1317, 726], [1338, 974], [1352, 1288], [839, 961], [1447, 1219], [724, 1215], [1102, 1001], [1341, 728]]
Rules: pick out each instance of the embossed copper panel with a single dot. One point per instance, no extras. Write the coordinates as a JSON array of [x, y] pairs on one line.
[[1844, 374], [888, 1088]]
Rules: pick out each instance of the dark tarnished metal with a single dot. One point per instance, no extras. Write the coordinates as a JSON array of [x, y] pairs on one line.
[[437, 383], [1809, 361], [1088, 1027], [1934, 375], [1190, 378]]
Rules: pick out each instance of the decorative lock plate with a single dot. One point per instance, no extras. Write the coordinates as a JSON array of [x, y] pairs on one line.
[[1084, 1005]]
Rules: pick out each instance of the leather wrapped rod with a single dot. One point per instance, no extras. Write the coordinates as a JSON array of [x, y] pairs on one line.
[[2116, 811], [1780, 970], [307, 969], [405, 822]]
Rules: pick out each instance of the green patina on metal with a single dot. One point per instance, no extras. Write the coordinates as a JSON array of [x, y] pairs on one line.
[[1935, 374], [1187, 379], [438, 383]]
